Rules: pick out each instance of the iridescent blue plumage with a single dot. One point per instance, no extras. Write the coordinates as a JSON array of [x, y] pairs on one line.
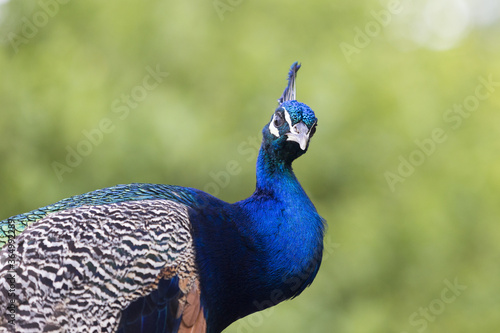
[[300, 112], [160, 258]]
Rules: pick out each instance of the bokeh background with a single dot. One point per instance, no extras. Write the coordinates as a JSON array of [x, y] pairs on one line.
[[405, 165]]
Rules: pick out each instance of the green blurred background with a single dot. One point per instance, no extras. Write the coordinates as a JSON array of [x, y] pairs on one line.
[[404, 223]]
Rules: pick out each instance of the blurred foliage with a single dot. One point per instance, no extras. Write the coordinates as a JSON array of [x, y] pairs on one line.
[[390, 250]]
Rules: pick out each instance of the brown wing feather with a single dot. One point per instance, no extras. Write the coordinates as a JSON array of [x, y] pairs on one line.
[[193, 319]]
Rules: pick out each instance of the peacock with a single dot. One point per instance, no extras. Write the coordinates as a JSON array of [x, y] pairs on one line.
[[162, 258]]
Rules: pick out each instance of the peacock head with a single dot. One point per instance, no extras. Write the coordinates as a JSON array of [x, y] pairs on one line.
[[292, 125]]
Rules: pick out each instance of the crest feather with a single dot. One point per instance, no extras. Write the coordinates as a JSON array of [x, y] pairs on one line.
[[289, 93]]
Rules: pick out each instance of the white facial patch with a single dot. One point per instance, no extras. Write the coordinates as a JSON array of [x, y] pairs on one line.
[[288, 119], [274, 131]]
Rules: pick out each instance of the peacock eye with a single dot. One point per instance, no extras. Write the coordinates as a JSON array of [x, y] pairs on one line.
[[312, 130], [278, 119]]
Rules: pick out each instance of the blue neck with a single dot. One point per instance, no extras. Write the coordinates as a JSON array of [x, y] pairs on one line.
[[275, 178], [283, 214], [270, 169]]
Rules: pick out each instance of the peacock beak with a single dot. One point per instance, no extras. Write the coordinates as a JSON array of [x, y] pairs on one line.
[[300, 134]]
